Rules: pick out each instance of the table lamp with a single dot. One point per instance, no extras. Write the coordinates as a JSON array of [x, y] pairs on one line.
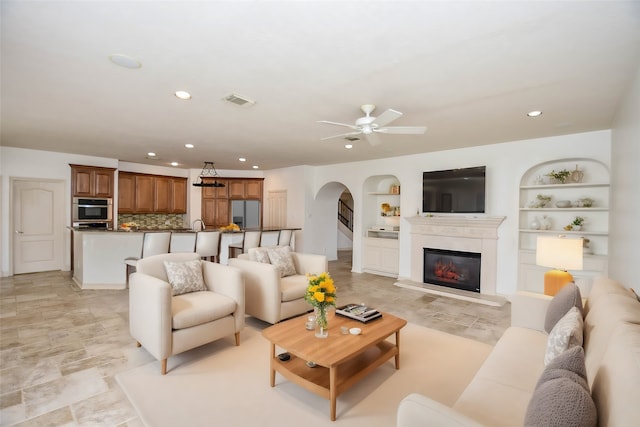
[[561, 254]]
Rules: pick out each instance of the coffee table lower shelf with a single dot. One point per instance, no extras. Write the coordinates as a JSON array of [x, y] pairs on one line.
[[330, 382]]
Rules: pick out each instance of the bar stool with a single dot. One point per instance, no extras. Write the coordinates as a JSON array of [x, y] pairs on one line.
[[152, 244], [208, 245], [285, 237], [270, 238], [250, 239]]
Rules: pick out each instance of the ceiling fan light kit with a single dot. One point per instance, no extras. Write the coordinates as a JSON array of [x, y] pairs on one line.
[[208, 171], [369, 125]]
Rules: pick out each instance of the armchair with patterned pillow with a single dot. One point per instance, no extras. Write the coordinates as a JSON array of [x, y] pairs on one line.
[[178, 302], [276, 281]]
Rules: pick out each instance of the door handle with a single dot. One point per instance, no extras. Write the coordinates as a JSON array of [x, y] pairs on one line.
[[19, 232]]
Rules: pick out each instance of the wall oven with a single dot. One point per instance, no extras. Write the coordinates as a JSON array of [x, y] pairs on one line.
[[92, 210]]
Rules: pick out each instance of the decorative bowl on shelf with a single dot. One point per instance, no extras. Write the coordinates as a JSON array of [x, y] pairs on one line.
[[563, 204]]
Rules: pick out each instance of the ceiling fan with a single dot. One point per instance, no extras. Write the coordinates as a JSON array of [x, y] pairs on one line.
[[370, 126]]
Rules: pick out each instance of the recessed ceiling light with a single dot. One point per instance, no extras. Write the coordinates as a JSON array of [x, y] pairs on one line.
[[348, 146], [534, 113], [151, 154], [242, 159], [183, 94], [125, 61], [174, 163], [255, 167], [189, 145]]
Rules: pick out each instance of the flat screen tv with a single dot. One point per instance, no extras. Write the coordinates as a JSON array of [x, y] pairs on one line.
[[454, 190]]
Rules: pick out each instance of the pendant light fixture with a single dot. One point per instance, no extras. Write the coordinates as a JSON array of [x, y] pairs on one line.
[[209, 171]]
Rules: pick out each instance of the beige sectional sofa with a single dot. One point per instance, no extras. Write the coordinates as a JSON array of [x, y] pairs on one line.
[[503, 388]]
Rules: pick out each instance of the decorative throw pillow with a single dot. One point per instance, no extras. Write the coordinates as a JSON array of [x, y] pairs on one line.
[[260, 255], [185, 276], [565, 334], [281, 257], [561, 402], [569, 296], [569, 364]]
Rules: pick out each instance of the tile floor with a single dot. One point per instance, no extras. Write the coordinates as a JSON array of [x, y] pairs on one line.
[[60, 347]]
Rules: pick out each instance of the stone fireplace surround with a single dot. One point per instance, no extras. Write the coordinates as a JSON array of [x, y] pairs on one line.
[[465, 234]]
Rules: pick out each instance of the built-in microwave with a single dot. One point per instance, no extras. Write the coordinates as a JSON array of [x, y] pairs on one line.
[[92, 210]]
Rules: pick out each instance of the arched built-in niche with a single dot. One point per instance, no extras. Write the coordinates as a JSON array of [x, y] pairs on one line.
[[587, 179], [381, 222]]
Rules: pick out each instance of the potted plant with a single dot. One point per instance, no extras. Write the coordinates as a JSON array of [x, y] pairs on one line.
[[576, 224], [559, 176]]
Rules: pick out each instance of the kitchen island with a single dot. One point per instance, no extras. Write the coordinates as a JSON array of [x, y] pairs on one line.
[[98, 254]]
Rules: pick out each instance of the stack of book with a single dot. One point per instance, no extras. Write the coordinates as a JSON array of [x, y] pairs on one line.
[[359, 312]]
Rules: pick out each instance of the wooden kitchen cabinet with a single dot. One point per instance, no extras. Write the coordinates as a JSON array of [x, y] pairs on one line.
[[245, 189], [215, 212], [145, 194], [162, 194], [141, 193], [178, 196], [126, 192], [92, 181]]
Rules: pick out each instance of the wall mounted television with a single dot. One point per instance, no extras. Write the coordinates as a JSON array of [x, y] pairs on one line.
[[454, 190]]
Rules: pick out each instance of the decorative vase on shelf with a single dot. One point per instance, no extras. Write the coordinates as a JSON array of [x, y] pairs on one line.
[[545, 223], [535, 225], [322, 323]]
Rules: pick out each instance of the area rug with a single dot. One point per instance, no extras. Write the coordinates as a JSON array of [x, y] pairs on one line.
[[220, 384]]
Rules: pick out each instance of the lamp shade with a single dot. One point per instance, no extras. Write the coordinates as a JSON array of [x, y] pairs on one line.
[[559, 252]]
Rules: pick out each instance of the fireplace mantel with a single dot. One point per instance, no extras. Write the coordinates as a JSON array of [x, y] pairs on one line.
[[467, 234]]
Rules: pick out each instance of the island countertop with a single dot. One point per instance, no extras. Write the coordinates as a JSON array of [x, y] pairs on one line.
[[98, 261]]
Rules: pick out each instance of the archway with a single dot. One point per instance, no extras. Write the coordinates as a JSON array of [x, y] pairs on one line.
[[325, 222]]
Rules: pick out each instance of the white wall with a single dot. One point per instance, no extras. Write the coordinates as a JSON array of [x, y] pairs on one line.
[[624, 232], [35, 164], [506, 163]]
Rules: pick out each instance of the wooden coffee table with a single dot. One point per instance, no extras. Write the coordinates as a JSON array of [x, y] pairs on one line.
[[342, 360]]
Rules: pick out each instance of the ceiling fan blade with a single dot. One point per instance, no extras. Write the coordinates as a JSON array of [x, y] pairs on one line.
[[373, 139], [406, 130], [337, 124], [386, 117], [341, 135]]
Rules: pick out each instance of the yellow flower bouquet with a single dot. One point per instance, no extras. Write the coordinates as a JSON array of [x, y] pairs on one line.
[[321, 294]]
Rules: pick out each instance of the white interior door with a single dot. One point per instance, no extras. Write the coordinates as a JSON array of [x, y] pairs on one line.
[[38, 226], [277, 205]]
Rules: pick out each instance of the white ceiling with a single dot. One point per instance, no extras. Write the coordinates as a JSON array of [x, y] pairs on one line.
[[469, 71]]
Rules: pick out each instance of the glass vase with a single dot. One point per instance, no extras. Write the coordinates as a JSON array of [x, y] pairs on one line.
[[322, 324]]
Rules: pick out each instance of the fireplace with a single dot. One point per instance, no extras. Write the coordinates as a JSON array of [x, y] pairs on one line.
[[477, 235], [454, 269]]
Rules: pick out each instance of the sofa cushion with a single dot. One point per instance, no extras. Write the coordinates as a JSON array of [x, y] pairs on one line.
[[509, 374], [600, 323], [293, 287], [603, 286], [280, 256], [615, 388], [569, 296], [561, 402], [569, 364], [196, 308], [185, 276], [564, 335]]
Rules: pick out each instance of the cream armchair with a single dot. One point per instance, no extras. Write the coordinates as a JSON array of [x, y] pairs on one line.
[[268, 296], [166, 325]]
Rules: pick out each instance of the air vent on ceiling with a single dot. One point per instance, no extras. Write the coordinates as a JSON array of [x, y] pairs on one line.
[[239, 100]]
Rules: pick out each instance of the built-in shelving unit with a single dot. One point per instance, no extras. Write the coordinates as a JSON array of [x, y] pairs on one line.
[[381, 248], [588, 179]]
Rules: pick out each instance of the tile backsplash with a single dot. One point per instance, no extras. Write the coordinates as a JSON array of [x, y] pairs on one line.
[[159, 221]]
